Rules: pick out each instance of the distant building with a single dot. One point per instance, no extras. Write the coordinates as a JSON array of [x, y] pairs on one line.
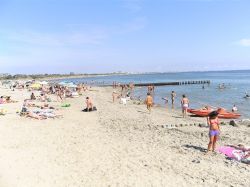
[[72, 73], [4, 75]]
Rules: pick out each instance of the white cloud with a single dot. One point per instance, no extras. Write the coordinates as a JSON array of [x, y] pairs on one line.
[[244, 42]]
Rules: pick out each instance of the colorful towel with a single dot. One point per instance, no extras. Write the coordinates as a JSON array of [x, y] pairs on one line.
[[226, 150], [65, 105]]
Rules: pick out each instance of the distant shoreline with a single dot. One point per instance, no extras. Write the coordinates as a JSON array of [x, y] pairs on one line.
[[68, 76], [56, 77]]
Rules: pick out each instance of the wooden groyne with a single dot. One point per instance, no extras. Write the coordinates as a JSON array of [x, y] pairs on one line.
[[174, 83]]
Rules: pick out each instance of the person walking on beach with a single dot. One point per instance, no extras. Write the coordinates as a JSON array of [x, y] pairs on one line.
[[173, 95], [214, 130], [149, 102], [184, 105], [114, 96]]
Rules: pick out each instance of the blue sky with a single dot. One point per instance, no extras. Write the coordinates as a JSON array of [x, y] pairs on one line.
[[96, 36]]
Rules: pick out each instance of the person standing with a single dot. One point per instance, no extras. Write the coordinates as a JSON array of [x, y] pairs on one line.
[[214, 130], [173, 95], [234, 109], [184, 105], [149, 102]]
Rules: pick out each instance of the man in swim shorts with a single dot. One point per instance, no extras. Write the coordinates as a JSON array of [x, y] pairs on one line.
[[184, 105], [149, 102], [173, 95]]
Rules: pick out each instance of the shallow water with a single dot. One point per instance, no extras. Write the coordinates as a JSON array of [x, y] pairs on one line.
[[237, 83]]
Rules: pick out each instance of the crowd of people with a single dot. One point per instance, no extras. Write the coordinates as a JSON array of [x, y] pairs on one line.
[[37, 105]]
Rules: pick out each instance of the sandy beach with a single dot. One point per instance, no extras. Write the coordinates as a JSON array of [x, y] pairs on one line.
[[116, 145]]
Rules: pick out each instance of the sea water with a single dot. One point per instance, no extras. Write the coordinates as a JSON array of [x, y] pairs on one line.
[[237, 83]]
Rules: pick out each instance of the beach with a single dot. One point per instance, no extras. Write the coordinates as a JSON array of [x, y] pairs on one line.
[[117, 145]]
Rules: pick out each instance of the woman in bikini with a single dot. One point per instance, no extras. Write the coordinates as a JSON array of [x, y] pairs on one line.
[[214, 130]]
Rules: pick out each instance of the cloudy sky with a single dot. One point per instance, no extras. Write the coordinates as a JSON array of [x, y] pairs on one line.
[[96, 36]]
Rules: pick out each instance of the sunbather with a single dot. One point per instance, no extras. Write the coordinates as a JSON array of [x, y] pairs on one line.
[[33, 97]]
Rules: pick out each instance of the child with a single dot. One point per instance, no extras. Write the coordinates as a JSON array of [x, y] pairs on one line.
[[149, 102], [214, 130]]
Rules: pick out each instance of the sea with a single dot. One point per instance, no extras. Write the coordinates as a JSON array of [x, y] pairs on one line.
[[237, 83]]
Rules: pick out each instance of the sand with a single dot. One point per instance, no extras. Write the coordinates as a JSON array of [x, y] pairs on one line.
[[115, 146]]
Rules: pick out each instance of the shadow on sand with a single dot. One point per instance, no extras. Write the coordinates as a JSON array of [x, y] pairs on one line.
[[143, 112], [201, 149]]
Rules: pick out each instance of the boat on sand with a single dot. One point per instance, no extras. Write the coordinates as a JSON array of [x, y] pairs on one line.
[[204, 112]]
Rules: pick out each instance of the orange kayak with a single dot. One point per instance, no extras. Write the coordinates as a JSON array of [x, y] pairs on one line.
[[222, 113]]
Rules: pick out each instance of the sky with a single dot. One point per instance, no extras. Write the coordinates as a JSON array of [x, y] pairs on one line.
[[101, 36]]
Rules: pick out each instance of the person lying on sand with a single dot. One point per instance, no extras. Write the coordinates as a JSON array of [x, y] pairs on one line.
[[29, 103], [240, 147], [2, 100], [34, 115], [40, 114], [240, 152], [46, 106], [9, 100]]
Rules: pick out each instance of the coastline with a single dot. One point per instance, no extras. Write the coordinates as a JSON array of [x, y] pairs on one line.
[[116, 145], [68, 76], [60, 77]]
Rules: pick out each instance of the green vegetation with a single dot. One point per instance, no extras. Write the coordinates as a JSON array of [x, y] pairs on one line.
[[51, 76]]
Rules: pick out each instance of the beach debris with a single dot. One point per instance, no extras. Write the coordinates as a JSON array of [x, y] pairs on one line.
[[182, 125], [196, 161], [222, 123], [202, 125], [245, 122], [233, 123]]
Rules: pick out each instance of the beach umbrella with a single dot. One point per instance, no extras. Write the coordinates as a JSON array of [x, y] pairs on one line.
[[44, 83], [71, 85], [62, 83], [36, 86]]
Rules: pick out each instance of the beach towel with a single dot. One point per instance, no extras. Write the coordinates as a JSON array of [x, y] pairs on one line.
[[2, 112], [65, 105], [123, 101], [226, 150], [234, 153], [238, 154], [90, 110]]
